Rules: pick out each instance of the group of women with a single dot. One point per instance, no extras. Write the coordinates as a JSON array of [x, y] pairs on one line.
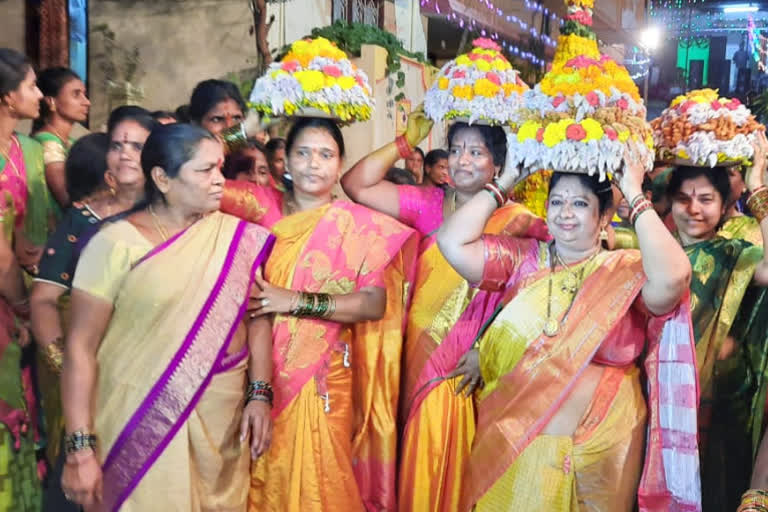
[[253, 343]]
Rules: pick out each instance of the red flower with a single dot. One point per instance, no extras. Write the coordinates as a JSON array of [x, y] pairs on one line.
[[459, 74], [558, 100], [331, 70], [592, 98], [575, 132], [716, 105], [623, 104], [540, 135], [474, 56], [733, 104], [685, 107], [610, 133], [290, 66], [360, 82], [493, 77]]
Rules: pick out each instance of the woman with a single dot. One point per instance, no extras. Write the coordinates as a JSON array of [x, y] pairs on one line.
[[336, 366], [730, 321], [562, 416], [736, 224], [65, 103], [414, 163], [249, 164], [276, 159], [24, 222], [216, 105], [445, 313], [436, 170], [167, 365]]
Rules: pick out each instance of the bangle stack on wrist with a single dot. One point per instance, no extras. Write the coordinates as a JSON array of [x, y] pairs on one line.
[[754, 500], [757, 202], [317, 305], [494, 189], [235, 138], [403, 147], [78, 441], [638, 205], [260, 391]]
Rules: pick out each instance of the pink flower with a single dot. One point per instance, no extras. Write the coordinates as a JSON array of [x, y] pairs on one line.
[[493, 77], [360, 82], [540, 135], [459, 74], [558, 100], [290, 66], [581, 62], [610, 133], [474, 56], [331, 70], [716, 105], [592, 98], [685, 107], [575, 132], [488, 44], [733, 104], [623, 104]]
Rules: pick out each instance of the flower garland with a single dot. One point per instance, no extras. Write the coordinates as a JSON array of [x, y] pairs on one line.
[[315, 75], [581, 115], [701, 128], [479, 86]]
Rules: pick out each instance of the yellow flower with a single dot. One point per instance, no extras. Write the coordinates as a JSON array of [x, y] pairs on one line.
[[510, 87], [500, 65], [483, 65], [330, 81], [463, 91], [623, 136], [443, 83], [677, 100], [277, 73], [528, 131], [485, 87], [310, 80], [593, 128], [346, 82], [554, 133], [463, 60]]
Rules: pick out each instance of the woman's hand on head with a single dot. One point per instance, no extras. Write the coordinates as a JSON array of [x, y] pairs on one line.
[[418, 126], [629, 178], [755, 177]]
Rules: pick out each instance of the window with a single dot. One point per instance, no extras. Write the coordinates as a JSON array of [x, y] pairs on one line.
[[368, 12]]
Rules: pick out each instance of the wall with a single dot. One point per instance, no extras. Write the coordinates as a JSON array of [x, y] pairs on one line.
[[181, 43], [12, 24]]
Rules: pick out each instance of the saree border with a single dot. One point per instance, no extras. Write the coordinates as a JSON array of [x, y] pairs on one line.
[[123, 467]]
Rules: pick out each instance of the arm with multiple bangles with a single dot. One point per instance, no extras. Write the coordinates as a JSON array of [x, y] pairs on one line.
[[757, 202]]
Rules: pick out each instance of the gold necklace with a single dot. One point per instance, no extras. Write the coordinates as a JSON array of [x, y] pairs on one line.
[[571, 285], [158, 225], [57, 134]]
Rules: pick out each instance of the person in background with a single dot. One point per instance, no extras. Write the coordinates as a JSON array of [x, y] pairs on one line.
[[65, 103], [159, 350], [276, 158], [436, 169], [23, 216], [182, 114], [216, 105], [249, 164], [164, 117], [400, 176], [414, 163]]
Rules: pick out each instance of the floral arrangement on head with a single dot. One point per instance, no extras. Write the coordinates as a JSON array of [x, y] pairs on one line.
[[701, 128], [479, 86], [314, 77], [582, 114], [532, 192]]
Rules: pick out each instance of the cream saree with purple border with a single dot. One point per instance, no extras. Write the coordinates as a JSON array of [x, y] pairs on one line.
[[170, 384]]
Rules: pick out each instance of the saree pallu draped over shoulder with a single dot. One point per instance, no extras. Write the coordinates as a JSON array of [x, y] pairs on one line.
[[170, 385], [536, 376], [443, 321], [336, 386]]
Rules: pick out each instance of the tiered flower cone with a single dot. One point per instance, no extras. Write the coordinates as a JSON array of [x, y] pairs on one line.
[[478, 87], [700, 128], [582, 114], [315, 78]]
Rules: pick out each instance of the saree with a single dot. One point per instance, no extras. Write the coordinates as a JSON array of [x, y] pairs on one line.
[[730, 323], [444, 318], [334, 442], [743, 227], [528, 375], [20, 217], [55, 151], [168, 404]]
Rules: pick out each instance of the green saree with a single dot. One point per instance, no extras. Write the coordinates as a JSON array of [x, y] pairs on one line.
[[730, 323]]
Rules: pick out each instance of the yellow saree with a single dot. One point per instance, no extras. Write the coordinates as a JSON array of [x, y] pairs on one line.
[[171, 381], [336, 386], [440, 425]]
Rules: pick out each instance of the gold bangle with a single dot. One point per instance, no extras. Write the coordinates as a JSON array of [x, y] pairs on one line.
[[754, 500], [757, 202]]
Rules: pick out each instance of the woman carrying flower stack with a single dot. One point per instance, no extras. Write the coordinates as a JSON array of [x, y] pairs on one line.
[[439, 420], [563, 423], [337, 284]]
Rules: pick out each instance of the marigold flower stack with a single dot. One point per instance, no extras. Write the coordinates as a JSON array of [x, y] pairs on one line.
[[582, 114]]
